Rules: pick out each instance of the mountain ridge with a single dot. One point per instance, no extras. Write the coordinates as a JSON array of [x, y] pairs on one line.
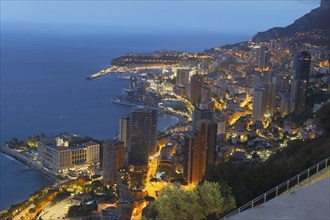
[[318, 18]]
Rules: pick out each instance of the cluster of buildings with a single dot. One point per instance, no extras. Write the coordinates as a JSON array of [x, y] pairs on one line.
[[237, 104], [135, 145], [137, 94], [264, 96], [200, 151], [237, 99]]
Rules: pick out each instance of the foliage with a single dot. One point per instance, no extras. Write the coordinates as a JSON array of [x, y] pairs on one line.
[[60, 177], [32, 143], [170, 174], [45, 197], [15, 143], [32, 210], [149, 198], [207, 198], [248, 181], [301, 117], [110, 192], [315, 97], [62, 195], [80, 210], [323, 118], [96, 184]]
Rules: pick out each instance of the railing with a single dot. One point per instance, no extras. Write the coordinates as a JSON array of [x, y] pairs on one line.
[[283, 187]]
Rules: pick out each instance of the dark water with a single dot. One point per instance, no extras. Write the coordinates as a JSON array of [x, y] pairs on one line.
[[18, 183], [44, 90], [43, 85]]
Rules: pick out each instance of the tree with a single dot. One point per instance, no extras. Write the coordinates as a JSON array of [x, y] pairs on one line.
[[32, 210], [214, 199], [206, 199], [323, 118], [249, 181]]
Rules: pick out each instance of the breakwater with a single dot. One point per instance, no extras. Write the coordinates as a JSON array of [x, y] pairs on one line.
[[29, 163]]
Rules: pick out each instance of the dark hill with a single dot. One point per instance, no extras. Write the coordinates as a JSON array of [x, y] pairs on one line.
[[318, 18]]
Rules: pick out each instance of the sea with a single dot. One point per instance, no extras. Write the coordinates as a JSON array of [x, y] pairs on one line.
[[44, 90]]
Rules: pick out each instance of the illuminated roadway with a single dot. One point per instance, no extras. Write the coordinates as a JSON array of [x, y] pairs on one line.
[[152, 187]]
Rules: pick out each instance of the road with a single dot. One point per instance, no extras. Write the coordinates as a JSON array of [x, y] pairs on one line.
[[153, 187]]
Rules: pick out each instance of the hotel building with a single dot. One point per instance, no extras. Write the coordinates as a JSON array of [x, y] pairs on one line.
[[61, 159]]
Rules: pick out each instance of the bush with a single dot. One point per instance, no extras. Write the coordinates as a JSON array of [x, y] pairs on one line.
[[32, 210], [323, 118], [206, 199], [81, 210], [62, 195]]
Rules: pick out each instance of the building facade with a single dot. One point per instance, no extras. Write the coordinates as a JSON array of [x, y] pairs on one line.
[[124, 130], [258, 105], [182, 77], [300, 83], [61, 159], [143, 136], [201, 114], [262, 58], [113, 160], [270, 97], [200, 151], [194, 94]]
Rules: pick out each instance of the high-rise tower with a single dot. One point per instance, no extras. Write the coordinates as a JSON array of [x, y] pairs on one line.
[[182, 77], [208, 135], [143, 136], [270, 96], [124, 130], [113, 160], [201, 114], [299, 86], [263, 58], [196, 83], [200, 151], [258, 105]]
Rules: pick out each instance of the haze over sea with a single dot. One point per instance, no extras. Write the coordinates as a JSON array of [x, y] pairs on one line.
[[44, 90]]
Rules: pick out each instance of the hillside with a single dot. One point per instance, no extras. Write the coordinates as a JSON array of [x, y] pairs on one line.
[[318, 18]]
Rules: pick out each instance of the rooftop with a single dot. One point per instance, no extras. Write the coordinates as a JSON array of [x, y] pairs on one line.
[[60, 148]]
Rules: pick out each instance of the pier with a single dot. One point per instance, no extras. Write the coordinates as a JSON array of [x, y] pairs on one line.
[[101, 73]]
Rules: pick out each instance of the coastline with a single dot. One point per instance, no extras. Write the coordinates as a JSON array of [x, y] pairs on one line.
[[12, 155], [180, 118], [33, 165], [116, 100]]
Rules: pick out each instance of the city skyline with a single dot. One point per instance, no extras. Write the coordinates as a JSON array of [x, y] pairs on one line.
[[163, 133]]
